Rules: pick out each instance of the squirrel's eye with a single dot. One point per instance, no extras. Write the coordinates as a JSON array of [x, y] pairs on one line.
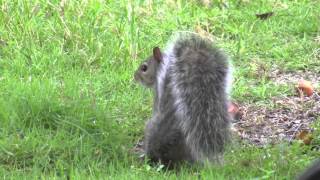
[[144, 68]]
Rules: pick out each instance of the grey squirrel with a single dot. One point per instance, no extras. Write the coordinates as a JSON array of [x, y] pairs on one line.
[[191, 81], [311, 173]]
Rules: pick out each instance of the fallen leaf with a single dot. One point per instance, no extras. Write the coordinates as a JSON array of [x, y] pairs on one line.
[[264, 16], [203, 33], [305, 87], [305, 136]]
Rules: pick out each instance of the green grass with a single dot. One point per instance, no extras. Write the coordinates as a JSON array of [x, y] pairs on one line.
[[69, 107]]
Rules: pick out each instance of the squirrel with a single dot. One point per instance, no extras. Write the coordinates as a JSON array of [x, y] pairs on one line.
[[312, 172], [191, 80]]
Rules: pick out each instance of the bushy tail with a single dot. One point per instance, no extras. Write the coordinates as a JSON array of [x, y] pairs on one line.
[[198, 76]]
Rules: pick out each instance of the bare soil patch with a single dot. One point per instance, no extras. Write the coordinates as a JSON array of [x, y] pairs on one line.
[[262, 125], [287, 116], [291, 78]]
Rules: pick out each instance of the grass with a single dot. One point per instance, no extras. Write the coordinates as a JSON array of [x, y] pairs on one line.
[[69, 107]]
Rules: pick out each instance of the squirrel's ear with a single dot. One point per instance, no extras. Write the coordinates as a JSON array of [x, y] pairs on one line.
[[157, 54]]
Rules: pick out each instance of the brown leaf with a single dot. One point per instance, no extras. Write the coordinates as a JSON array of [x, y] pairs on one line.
[[264, 16], [203, 33], [305, 136], [305, 87]]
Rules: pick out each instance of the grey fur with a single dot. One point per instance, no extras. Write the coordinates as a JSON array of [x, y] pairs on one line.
[[190, 120], [312, 172]]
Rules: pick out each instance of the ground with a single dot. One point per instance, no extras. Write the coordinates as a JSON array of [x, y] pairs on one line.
[[69, 107], [288, 117]]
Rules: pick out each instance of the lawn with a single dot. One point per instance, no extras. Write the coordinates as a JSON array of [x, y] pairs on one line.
[[69, 107]]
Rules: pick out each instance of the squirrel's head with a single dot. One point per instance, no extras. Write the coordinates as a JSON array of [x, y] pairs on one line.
[[147, 71]]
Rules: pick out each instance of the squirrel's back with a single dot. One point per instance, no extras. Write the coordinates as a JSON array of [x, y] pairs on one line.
[[199, 76], [189, 47]]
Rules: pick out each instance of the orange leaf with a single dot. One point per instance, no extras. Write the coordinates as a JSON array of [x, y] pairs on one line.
[[305, 136], [306, 87]]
